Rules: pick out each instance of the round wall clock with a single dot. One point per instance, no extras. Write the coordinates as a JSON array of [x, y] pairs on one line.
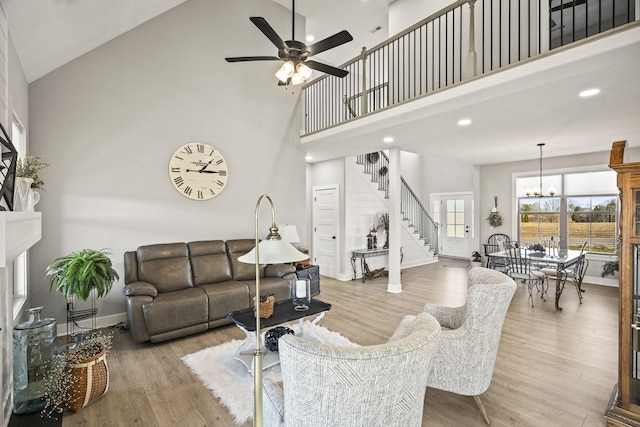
[[198, 171]]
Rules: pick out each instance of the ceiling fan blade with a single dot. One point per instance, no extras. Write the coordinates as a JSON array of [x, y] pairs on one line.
[[252, 58], [326, 68], [268, 31], [330, 42]]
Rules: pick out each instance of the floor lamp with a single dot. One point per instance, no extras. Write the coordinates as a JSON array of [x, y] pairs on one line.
[[271, 250]]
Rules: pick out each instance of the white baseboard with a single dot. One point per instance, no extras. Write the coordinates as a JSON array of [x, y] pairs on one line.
[[101, 322], [597, 280]]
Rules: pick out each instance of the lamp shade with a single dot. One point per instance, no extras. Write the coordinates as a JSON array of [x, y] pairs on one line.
[[289, 233], [273, 252]]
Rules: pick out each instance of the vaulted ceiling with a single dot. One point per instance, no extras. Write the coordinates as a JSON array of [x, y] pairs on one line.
[[511, 113]]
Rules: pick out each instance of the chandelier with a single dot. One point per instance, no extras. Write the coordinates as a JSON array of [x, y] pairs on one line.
[[537, 191]]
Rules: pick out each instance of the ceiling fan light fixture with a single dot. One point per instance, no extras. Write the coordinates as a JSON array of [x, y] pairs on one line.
[[286, 71], [304, 71]]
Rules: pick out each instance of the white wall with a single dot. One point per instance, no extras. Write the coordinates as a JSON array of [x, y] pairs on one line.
[[405, 13], [108, 122]]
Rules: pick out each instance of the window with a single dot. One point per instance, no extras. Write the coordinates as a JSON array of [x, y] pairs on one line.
[[577, 207], [455, 218], [20, 280]]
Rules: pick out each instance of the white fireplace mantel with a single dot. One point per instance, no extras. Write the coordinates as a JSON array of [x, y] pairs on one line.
[[18, 232]]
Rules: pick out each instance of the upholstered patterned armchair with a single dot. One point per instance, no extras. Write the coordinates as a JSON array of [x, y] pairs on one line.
[[378, 385], [464, 360]]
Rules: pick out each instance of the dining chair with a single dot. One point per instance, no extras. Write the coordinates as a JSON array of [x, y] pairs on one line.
[[496, 243], [575, 273], [521, 268]]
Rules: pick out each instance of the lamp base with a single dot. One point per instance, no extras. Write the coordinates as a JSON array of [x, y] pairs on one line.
[[301, 307]]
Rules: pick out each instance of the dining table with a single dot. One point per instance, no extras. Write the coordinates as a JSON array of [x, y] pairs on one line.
[[561, 260]]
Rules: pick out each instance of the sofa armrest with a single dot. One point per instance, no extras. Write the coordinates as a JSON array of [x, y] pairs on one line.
[[278, 270], [140, 288]]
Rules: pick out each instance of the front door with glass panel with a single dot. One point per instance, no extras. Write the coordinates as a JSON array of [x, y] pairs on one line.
[[455, 230]]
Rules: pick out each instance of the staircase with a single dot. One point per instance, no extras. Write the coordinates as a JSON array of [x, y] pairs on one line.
[[415, 217]]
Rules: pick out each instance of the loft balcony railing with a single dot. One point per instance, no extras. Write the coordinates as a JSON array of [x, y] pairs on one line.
[[466, 39]]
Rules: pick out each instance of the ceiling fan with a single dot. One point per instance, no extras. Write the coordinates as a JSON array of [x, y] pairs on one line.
[[297, 67]]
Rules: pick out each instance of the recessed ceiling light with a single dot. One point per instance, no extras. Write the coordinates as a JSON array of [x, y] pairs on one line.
[[387, 139], [308, 158], [310, 38], [589, 92], [464, 122]]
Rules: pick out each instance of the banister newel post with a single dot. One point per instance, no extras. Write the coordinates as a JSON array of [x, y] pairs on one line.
[[471, 56], [363, 96]]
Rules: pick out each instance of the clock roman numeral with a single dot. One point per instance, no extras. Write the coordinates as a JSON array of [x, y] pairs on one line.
[[179, 181], [219, 162], [200, 194], [200, 148], [213, 150], [222, 173], [188, 190], [212, 192], [220, 183], [178, 157], [175, 169], [188, 149]]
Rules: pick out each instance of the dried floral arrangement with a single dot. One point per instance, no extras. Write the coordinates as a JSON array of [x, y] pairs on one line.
[[30, 167], [383, 220], [59, 383]]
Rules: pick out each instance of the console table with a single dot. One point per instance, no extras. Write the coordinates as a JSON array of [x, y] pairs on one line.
[[363, 254]]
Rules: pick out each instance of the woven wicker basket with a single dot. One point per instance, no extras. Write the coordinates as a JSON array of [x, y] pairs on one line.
[[91, 381], [266, 308]]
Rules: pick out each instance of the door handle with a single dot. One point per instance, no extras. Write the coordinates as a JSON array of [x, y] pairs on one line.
[[333, 237]]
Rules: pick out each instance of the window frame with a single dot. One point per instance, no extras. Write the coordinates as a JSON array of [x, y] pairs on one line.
[[564, 211]]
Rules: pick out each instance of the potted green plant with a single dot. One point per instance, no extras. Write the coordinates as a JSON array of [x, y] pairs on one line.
[[82, 271], [80, 375], [476, 259], [609, 268]]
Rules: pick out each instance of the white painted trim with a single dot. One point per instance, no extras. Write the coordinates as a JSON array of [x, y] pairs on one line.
[[101, 322]]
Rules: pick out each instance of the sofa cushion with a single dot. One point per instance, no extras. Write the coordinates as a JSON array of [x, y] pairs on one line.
[[240, 270], [166, 266], [209, 262], [225, 297], [175, 310]]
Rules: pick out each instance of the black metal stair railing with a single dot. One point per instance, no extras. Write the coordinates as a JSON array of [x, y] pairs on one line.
[[377, 165]]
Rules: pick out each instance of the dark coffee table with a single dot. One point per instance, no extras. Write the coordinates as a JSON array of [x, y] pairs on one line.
[[283, 312]]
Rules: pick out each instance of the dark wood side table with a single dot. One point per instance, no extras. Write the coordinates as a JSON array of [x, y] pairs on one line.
[[283, 312]]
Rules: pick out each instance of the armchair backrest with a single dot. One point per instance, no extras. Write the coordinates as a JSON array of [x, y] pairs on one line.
[[383, 385], [466, 356]]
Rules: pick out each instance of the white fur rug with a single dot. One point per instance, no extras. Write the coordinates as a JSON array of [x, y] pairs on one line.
[[229, 379]]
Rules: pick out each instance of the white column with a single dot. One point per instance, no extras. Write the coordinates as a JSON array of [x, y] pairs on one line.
[[395, 221]]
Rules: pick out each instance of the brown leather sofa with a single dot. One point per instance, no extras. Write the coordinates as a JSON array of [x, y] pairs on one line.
[[178, 289]]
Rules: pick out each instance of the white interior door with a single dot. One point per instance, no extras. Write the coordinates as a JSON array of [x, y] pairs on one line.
[[326, 204], [455, 219]]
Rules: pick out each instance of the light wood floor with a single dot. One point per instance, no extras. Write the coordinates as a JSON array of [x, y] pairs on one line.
[[553, 368]]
